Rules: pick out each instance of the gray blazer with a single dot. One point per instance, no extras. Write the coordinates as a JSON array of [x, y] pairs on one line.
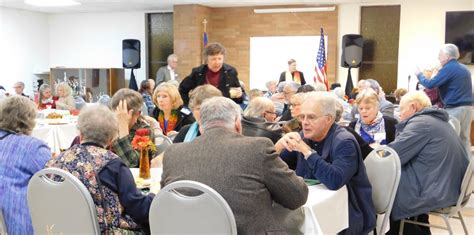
[[163, 75], [246, 171]]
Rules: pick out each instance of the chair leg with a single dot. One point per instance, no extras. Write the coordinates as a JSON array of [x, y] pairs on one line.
[[463, 223], [402, 224], [448, 225]]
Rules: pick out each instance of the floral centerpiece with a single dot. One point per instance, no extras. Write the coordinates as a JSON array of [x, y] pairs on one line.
[[142, 142]]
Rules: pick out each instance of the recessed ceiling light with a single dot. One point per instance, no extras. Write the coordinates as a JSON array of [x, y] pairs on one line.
[[52, 3]]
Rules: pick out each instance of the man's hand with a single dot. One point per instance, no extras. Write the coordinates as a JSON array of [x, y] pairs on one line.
[[123, 117], [289, 142]]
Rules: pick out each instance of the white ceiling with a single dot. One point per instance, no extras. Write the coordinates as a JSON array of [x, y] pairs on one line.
[[161, 5]]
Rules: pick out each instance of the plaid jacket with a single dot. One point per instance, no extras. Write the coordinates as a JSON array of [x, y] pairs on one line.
[[123, 146]]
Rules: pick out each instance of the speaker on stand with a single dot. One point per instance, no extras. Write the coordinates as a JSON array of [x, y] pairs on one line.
[[131, 59], [351, 56]]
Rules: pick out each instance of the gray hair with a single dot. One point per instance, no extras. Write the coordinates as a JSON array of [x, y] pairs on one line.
[[374, 85], [97, 124], [258, 106], [325, 100], [292, 85], [270, 82], [450, 50], [339, 92], [20, 83], [43, 87], [134, 99], [17, 114], [219, 111], [281, 85], [172, 57]]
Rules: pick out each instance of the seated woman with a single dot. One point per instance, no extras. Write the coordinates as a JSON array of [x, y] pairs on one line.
[[127, 105], [189, 132], [372, 126], [258, 120], [65, 100], [46, 98], [170, 112], [295, 109], [105, 175], [146, 90], [21, 156]]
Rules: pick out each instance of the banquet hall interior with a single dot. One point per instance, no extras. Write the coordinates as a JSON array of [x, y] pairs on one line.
[[84, 44]]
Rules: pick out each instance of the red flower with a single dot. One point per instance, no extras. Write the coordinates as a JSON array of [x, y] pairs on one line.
[[141, 140], [142, 132]]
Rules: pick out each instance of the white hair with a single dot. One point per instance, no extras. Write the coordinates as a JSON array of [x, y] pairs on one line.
[[219, 111], [450, 50], [326, 102]]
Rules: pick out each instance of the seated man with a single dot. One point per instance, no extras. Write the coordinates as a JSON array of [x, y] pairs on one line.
[[433, 161], [329, 153], [258, 120], [246, 171]]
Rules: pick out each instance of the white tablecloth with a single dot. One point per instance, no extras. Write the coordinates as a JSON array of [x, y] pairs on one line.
[[56, 136], [326, 211]]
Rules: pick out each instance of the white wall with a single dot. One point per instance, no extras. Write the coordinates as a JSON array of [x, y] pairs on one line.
[[94, 40], [24, 46], [422, 26]]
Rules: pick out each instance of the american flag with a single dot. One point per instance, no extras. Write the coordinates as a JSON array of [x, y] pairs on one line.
[[321, 66]]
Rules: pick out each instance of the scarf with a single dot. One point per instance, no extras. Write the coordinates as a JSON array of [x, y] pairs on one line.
[[295, 77], [369, 132], [192, 132], [170, 124]]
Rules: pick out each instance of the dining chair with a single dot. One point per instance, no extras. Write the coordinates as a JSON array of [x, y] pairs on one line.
[[467, 187], [454, 122], [161, 142], [384, 170], [173, 212], [60, 203], [3, 226]]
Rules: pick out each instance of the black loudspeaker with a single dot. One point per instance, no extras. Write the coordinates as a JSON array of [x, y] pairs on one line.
[[131, 53], [352, 50]]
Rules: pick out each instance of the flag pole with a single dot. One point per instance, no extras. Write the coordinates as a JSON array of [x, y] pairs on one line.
[[204, 43]]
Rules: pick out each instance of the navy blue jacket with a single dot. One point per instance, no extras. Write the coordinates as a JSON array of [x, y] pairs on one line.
[[454, 84], [338, 163]]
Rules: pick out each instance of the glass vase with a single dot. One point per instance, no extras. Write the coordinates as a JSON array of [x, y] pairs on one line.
[[144, 164]]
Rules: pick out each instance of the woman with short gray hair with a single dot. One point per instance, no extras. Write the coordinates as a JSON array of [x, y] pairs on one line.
[[21, 156], [105, 175]]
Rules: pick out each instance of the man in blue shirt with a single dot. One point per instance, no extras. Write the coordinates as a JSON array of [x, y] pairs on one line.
[[455, 87], [329, 153]]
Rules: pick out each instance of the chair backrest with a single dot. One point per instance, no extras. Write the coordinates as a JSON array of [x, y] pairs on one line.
[[467, 186], [174, 213], [384, 170], [3, 227], [162, 142], [61, 206], [454, 122]]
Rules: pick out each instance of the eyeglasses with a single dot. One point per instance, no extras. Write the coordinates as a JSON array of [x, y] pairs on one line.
[[309, 117], [270, 112], [292, 105]]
